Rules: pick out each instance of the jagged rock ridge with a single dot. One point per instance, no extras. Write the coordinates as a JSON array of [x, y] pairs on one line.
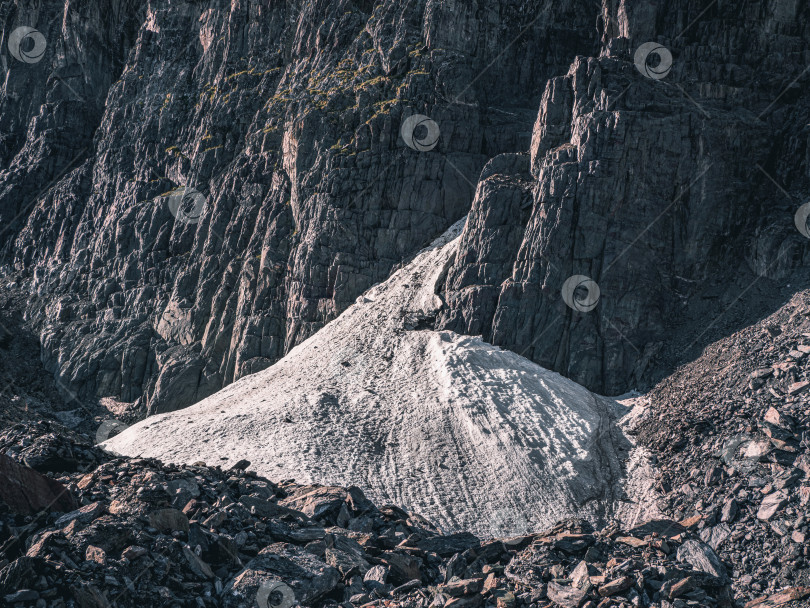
[[286, 119]]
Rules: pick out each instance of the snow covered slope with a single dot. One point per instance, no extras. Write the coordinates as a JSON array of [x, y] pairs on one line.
[[462, 432]]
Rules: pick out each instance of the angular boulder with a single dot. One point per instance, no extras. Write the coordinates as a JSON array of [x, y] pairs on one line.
[[27, 492]]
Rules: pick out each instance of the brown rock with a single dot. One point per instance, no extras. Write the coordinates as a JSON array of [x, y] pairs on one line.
[[780, 599], [95, 554], [507, 600], [682, 586], [490, 583], [196, 564], [774, 417], [797, 387], [83, 516], [615, 586], [631, 541], [691, 522]]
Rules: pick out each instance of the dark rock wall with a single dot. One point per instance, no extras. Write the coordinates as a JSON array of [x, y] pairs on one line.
[[665, 192], [282, 123]]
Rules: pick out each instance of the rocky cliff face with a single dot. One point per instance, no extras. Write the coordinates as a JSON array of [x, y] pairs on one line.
[[189, 189]]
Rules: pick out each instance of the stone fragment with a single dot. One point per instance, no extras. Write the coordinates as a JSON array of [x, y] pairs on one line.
[[462, 587], [615, 586], [729, 511], [307, 577], [798, 387], [402, 566], [197, 565], [701, 557], [84, 515], [445, 546], [715, 535], [771, 504], [169, 520], [681, 587], [133, 552], [564, 595], [95, 554], [781, 598]]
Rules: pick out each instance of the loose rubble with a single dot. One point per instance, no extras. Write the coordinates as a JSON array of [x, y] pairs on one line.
[[732, 434], [145, 533]]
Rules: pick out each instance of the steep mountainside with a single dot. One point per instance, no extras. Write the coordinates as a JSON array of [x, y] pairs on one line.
[[190, 189]]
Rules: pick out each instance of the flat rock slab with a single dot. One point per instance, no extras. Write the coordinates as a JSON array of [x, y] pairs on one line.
[[27, 492], [701, 557], [771, 505], [658, 527], [445, 546]]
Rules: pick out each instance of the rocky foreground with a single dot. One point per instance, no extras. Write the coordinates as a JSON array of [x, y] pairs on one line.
[[135, 532], [728, 434]]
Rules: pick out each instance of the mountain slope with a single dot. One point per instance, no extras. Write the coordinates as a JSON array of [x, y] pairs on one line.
[[466, 434], [286, 117]]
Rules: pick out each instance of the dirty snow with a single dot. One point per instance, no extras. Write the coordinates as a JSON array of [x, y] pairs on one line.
[[466, 434]]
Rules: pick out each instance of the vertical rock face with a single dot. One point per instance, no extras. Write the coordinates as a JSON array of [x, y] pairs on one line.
[[665, 192], [276, 129], [286, 120]]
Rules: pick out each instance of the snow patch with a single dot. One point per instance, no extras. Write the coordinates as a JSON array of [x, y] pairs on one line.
[[466, 434]]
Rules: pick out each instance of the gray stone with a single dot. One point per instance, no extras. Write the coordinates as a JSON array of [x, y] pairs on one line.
[[701, 557]]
